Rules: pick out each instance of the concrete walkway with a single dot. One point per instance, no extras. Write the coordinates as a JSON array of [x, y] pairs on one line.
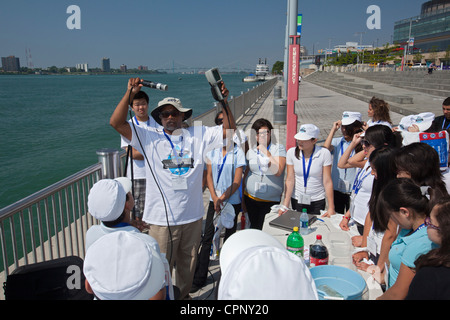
[[316, 105]]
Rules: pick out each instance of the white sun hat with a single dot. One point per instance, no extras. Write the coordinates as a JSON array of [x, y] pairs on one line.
[[106, 199], [256, 266], [124, 266]]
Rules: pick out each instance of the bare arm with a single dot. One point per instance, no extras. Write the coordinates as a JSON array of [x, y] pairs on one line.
[[329, 190], [401, 286], [344, 159], [288, 186], [118, 119], [334, 128], [228, 119], [136, 154]]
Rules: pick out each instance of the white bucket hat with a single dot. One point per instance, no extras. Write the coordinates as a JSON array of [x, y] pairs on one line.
[[124, 266], [106, 199], [175, 102], [307, 132], [256, 266], [348, 117]]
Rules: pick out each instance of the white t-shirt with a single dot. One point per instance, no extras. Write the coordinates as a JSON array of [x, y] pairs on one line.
[[138, 165], [178, 171], [99, 230], [314, 185], [362, 189], [260, 182]]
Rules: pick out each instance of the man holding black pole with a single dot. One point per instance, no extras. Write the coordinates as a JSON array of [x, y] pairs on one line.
[[136, 164], [174, 163]]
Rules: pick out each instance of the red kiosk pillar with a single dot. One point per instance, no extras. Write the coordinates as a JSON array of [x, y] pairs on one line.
[[293, 75]]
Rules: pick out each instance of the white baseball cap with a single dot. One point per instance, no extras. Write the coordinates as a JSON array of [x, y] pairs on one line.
[[307, 132], [227, 215], [405, 123], [124, 265], [256, 266], [106, 199], [423, 120], [348, 117]]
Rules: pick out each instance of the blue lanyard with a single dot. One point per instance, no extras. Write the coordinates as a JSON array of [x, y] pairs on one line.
[[306, 174], [358, 182], [178, 156], [443, 124], [137, 122], [220, 168]]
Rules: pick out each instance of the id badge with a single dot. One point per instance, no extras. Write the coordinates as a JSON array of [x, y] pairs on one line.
[[179, 183], [261, 187], [305, 199]]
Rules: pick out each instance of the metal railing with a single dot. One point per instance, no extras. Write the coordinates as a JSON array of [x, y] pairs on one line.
[[52, 222]]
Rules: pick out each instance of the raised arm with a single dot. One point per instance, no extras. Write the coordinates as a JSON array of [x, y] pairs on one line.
[[118, 119], [228, 117], [334, 128]]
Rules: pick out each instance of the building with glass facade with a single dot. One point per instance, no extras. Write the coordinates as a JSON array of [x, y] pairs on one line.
[[430, 30], [106, 65], [10, 64]]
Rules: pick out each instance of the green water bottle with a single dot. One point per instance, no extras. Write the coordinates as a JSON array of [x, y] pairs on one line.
[[295, 243]]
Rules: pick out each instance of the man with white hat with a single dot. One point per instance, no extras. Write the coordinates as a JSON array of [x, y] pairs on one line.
[[124, 266], [256, 266], [350, 124], [174, 166], [111, 202]]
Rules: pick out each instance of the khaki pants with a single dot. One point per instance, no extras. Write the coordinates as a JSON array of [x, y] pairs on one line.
[[181, 247]]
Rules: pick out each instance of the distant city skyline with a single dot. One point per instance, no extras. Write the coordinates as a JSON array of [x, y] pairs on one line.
[[193, 34]]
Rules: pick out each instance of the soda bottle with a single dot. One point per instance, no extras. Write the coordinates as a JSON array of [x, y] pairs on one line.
[[295, 243], [243, 221], [304, 222], [318, 253]]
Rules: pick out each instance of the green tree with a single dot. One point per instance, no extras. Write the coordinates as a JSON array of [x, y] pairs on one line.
[[278, 67]]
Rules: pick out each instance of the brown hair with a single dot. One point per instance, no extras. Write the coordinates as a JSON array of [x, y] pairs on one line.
[[380, 110]]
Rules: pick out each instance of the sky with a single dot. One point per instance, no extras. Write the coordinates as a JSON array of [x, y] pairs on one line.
[[185, 33]]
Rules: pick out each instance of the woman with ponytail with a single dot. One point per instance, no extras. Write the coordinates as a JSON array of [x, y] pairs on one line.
[[404, 202]]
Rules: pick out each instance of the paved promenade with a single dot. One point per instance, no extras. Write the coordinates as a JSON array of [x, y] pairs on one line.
[[316, 105]]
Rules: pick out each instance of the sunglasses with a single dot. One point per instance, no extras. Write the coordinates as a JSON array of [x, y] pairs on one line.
[[166, 114], [429, 224], [219, 121]]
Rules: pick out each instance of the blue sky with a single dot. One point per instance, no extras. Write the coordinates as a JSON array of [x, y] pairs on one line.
[[193, 33]]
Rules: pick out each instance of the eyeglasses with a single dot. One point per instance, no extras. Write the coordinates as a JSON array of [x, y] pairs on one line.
[[166, 114], [219, 121], [429, 224], [263, 133]]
